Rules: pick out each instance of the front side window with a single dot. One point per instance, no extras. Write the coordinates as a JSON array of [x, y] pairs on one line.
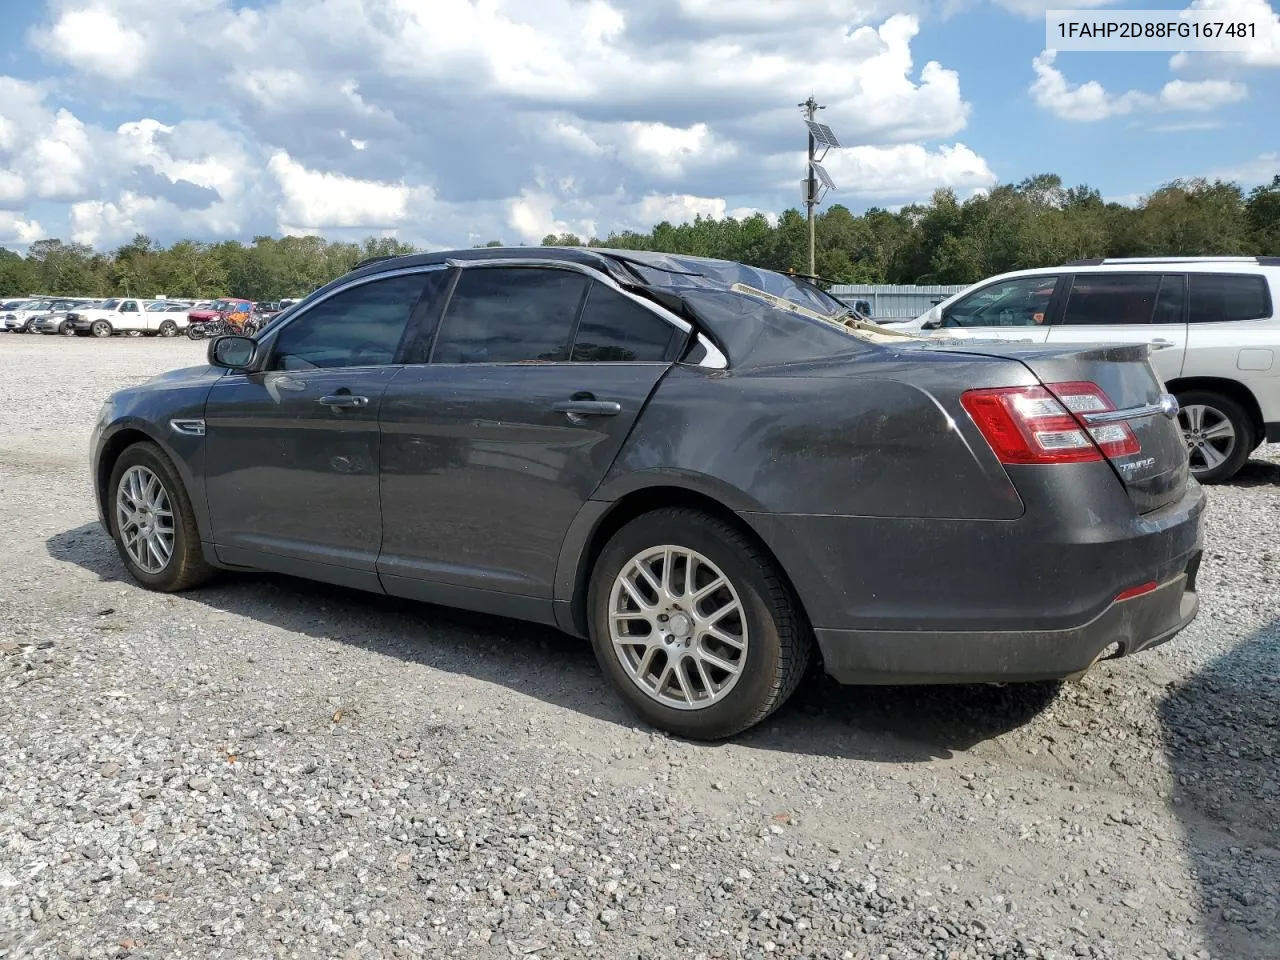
[[129, 307], [361, 326], [1018, 302], [1221, 297], [614, 328], [510, 315]]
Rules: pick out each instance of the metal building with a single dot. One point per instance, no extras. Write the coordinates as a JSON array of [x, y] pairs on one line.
[[895, 301]]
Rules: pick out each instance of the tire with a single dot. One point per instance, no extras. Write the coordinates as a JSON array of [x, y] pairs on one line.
[[133, 333], [195, 331], [185, 566], [65, 328], [168, 329], [1212, 459], [778, 639], [32, 326], [100, 329]]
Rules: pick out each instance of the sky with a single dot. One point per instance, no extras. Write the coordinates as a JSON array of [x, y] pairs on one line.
[[450, 123]]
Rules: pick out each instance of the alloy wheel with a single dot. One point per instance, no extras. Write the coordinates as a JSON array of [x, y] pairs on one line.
[[678, 627], [1209, 435], [144, 518]]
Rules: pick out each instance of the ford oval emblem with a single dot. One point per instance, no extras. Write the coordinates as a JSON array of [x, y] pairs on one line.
[[1169, 405]]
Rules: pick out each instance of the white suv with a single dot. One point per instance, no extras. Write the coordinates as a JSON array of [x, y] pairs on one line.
[[1212, 323]]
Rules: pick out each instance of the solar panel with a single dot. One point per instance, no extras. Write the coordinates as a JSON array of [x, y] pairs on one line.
[[822, 134], [823, 177]]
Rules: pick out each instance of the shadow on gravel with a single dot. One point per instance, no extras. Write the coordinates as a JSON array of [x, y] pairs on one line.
[[1222, 734], [1257, 473], [885, 724]]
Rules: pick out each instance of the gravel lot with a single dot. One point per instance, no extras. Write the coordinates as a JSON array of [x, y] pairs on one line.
[[268, 768]]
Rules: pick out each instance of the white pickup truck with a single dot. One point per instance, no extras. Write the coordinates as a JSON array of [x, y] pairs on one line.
[[128, 315]]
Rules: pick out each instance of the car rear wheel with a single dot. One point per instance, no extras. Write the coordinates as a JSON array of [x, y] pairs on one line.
[[100, 328], [152, 522], [168, 329], [1218, 432], [694, 625]]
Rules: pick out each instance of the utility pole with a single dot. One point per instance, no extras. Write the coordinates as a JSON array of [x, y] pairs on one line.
[[811, 109], [821, 138]]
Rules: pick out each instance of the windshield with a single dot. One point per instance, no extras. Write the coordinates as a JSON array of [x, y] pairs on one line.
[[109, 304]]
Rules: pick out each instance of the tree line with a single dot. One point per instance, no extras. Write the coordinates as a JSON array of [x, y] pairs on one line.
[[1035, 223]]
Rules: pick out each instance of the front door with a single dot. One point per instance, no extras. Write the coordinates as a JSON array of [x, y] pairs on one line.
[[491, 450], [1128, 308], [292, 451]]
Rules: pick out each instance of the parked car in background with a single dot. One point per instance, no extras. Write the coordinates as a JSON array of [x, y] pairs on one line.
[[55, 321], [16, 320], [1212, 323], [211, 311], [9, 306], [116, 315], [700, 465], [174, 320]]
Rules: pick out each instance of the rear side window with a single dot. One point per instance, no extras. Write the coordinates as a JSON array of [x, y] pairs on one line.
[[1221, 297], [1111, 298], [614, 328], [510, 315]]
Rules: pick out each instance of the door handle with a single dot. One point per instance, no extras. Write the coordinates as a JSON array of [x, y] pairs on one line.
[[343, 401], [588, 408], [1159, 343]]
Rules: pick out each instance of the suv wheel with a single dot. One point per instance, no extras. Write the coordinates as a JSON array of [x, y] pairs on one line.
[[152, 522], [101, 328], [694, 626], [1218, 432]]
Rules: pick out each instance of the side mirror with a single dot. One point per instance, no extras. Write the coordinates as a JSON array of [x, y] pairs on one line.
[[933, 319], [233, 353]]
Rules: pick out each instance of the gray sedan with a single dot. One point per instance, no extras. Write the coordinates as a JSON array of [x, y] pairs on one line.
[[714, 472]]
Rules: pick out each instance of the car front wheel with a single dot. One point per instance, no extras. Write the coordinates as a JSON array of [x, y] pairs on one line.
[[100, 328], [152, 522], [694, 625], [1218, 432]]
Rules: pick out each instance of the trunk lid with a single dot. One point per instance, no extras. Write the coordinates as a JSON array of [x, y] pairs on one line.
[[1157, 473]]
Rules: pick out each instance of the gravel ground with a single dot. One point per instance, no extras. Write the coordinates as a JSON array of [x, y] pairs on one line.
[[268, 768]]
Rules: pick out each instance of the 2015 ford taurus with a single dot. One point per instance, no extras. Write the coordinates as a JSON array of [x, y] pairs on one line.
[[714, 472]]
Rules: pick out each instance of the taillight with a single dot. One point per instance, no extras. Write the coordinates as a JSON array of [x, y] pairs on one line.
[[1045, 425]]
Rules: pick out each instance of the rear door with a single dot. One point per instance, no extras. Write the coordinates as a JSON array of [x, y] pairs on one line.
[[1015, 308], [1146, 308], [491, 449], [1230, 330]]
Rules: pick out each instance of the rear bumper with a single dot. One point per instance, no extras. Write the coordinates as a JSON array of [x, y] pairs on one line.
[[1124, 628]]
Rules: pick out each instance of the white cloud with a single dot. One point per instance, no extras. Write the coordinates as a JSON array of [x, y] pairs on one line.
[[1091, 101], [466, 120], [17, 231], [94, 39], [1035, 9], [1201, 94], [1260, 169], [1262, 51], [906, 171], [314, 200], [1083, 101]]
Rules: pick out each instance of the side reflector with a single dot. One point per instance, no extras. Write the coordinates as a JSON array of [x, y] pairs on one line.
[[1136, 591]]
